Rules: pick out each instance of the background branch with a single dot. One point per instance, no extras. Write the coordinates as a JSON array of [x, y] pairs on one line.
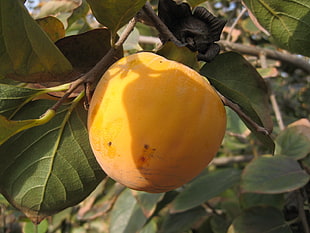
[[235, 23], [272, 54], [272, 97], [249, 50]]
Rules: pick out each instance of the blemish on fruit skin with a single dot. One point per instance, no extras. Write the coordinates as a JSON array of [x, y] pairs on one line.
[[109, 143], [146, 155]]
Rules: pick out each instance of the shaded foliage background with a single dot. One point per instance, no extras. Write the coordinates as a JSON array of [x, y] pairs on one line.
[[258, 182]]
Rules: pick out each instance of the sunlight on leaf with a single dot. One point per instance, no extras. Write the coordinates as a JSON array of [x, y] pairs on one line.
[[79, 12], [9, 128], [287, 22], [115, 13], [53, 27], [13, 98], [26, 52]]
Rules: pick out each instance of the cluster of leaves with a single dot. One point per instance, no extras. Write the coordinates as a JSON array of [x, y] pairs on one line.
[[46, 164]]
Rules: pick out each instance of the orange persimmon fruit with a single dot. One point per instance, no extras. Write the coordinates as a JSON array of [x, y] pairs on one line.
[[154, 124]]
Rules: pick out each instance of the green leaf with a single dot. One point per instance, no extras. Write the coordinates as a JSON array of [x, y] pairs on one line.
[[219, 223], [86, 49], [50, 167], [181, 222], [286, 21], [237, 80], [29, 227], [115, 13], [273, 175], [150, 227], [249, 26], [126, 215], [204, 188], [10, 128], [147, 201], [260, 220], [234, 123], [53, 27], [248, 200], [26, 52], [13, 98], [78, 13], [293, 143]]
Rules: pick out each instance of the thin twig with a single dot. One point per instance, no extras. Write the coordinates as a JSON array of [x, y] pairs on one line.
[[209, 208], [243, 116], [159, 25], [250, 50], [149, 40], [277, 111], [272, 54], [235, 23], [263, 59], [273, 100]]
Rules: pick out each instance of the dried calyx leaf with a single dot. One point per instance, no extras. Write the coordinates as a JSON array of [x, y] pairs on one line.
[[198, 30]]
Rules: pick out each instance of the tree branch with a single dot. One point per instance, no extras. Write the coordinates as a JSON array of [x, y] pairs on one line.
[[247, 49], [159, 25], [244, 116], [98, 70], [272, 54], [272, 97], [235, 23]]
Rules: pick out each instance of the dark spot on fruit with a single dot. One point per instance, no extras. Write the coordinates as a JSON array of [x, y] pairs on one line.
[[146, 146], [109, 143], [142, 159]]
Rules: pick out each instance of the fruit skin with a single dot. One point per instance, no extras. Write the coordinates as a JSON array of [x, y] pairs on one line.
[[154, 124]]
